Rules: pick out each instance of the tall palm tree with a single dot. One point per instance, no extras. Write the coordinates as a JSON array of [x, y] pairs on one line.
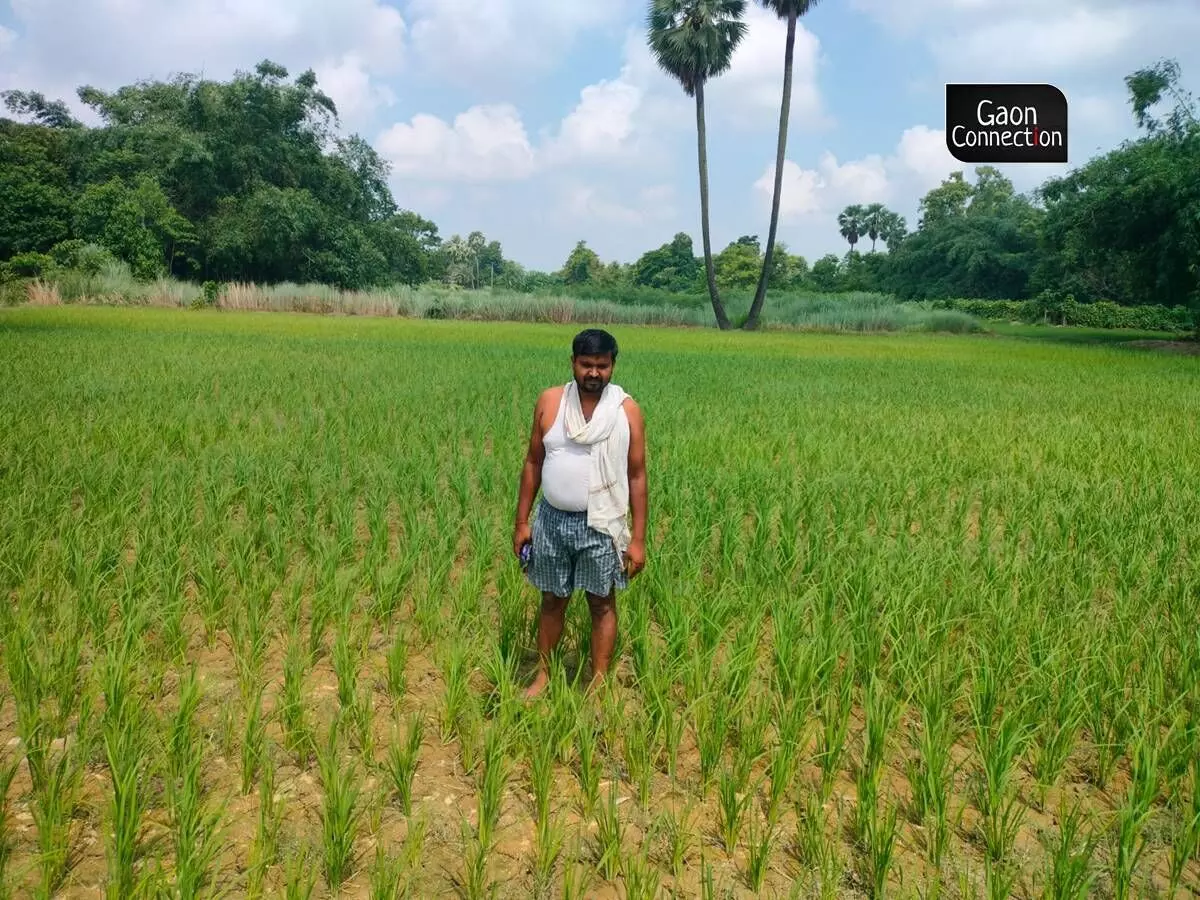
[[791, 10], [693, 42], [875, 219], [895, 228], [850, 223]]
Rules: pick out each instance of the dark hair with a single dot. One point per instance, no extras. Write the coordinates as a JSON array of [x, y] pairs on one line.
[[594, 342]]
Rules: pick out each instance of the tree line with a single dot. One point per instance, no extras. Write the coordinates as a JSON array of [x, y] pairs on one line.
[[251, 180]]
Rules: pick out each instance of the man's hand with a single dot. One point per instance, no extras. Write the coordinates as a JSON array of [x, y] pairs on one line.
[[522, 534], [635, 558]]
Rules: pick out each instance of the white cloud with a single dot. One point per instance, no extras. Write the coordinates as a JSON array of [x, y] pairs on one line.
[[8, 37], [1028, 40], [62, 44], [1038, 46], [588, 203], [601, 126], [919, 162], [472, 40], [485, 143], [349, 84], [749, 93]]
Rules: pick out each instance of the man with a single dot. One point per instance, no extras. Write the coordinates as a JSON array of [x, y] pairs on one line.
[[587, 454]]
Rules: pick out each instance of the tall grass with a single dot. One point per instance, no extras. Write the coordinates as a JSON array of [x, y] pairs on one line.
[[851, 312]]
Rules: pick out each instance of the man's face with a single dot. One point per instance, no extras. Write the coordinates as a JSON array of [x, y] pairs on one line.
[[592, 373]]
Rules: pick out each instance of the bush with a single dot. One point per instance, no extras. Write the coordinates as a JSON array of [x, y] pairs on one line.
[[1053, 309], [28, 265]]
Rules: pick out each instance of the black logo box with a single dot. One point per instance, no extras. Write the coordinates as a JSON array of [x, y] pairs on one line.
[[1006, 123]]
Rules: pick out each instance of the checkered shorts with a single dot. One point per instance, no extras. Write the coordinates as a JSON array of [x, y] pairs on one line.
[[569, 555]]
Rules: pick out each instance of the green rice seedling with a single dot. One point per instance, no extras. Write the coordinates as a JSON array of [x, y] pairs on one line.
[[882, 710], [349, 645], [587, 738], [577, 877], [254, 741], [733, 799], [642, 878], [999, 878], [711, 728], [879, 847], [542, 753], [53, 808], [1069, 874], [8, 770], [1133, 814], [195, 824], [753, 723], [128, 730], [341, 810], [456, 698], [999, 745], [298, 736], [1107, 715], [550, 836], [300, 876], [834, 711], [386, 875], [1184, 846], [639, 741], [476, 884], [264, 850], [610, 832], [362, 718], [810, 829], [402, 756], [1057, 736], [739, 666], [397, 666], [677, 824], [497, 769], [759, 844]]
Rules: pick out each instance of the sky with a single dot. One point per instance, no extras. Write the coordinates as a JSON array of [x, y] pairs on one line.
[[545, 122]]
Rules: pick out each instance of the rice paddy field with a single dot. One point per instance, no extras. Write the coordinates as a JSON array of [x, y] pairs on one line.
[[919, 617]]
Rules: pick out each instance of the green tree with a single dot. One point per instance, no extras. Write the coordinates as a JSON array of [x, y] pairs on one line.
[[948, 199], [874, 221], [791, 10], [693, 41], [852, 223], [738, 265], [672, 267], [825, 272], [36, 196], [582, 266], [1125, 226]]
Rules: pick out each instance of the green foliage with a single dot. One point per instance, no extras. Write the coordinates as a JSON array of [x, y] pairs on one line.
[[582, 266], [1051, 309], [27, 265], [672, 267], [244, 180]]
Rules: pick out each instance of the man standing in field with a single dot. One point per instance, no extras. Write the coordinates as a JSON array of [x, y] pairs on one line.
[[587, 453]]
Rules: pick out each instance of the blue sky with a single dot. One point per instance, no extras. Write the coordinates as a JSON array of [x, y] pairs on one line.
[[545, 122]]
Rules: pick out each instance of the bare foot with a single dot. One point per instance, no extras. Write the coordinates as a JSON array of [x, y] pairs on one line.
[[539, 685]]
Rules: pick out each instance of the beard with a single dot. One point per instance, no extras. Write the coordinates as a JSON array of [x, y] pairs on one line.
[[590, 386]]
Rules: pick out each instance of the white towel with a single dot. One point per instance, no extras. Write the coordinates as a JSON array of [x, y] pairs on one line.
[[608, 435]]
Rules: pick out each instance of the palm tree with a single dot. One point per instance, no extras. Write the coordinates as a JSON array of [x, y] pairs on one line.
[[792, 10], [850, 222], [693, 42], [875, 219], [895, 228]]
